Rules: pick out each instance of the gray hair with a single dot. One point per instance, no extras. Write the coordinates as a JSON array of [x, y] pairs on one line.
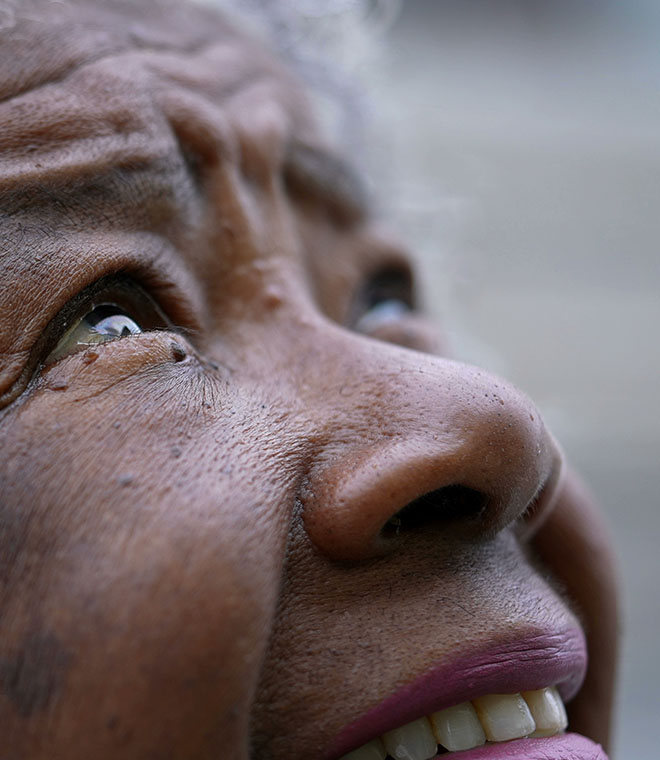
[[333, 45]]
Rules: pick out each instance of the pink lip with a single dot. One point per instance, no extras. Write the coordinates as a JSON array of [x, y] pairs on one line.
[[542, 659]]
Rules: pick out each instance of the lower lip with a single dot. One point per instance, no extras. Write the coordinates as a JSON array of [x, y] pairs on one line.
[[564, 747]]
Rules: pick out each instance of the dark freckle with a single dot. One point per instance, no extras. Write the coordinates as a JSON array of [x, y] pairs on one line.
[[113, 723], [273, 298], [32, 677], [178, 352], [90, 356], [228, 228], [13, 536], [176, 451], [122, 734]]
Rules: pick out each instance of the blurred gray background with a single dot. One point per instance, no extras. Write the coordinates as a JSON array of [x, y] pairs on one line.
[[521, 156]]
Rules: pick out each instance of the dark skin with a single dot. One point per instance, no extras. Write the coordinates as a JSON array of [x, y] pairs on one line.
[[192, 512]]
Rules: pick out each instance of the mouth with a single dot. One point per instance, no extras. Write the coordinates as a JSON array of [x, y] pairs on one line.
[[507, 702]]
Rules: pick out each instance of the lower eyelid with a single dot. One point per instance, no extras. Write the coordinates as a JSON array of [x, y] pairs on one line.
[[112, 362], [59, 355]]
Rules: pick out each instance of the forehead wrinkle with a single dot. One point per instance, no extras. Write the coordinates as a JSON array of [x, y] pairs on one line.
[[96, 146], [143, 196], [41, 43], [99, 119], [60, 171]]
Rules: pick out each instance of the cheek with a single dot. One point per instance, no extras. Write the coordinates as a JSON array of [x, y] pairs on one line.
[[131, 538]]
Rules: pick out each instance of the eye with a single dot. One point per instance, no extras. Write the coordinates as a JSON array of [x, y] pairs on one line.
[[110, 310], [103, 323], [385, 309], [384, 300]]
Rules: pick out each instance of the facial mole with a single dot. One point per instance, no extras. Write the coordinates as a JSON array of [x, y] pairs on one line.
[[90, 356], [178, 351], [121, 734], [273, 297]]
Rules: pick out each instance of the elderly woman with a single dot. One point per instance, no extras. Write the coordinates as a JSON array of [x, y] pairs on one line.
[[246, 511]]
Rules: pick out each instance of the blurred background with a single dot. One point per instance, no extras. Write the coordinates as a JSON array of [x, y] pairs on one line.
[[520, 156]]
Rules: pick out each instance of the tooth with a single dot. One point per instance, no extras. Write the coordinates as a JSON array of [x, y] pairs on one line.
[[458, 727], [547, 710], [504, 716], [414, 741], [373, 750]]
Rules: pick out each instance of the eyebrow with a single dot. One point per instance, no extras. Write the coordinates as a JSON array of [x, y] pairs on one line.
[[313, 171]]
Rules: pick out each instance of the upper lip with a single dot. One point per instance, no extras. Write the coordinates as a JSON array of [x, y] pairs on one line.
[[533, 661]]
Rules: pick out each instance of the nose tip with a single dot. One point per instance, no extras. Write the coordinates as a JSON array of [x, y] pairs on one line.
[[467, 457]]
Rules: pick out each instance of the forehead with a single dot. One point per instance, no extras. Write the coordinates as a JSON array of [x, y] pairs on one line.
[[43, 42], [75, 70], [110, 113], [91, 86]]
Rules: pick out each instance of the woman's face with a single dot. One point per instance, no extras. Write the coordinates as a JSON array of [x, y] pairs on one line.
[[247, 509]]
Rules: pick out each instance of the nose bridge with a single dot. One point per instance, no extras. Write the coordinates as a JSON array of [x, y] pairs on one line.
[[394, 427]]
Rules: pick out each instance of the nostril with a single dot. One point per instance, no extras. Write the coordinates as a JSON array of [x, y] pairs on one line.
[[450, 504]]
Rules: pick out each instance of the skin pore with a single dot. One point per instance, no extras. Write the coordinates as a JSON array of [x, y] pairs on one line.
[[202, 541]]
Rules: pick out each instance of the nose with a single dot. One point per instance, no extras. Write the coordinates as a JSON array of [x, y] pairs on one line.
[[409, 442]]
